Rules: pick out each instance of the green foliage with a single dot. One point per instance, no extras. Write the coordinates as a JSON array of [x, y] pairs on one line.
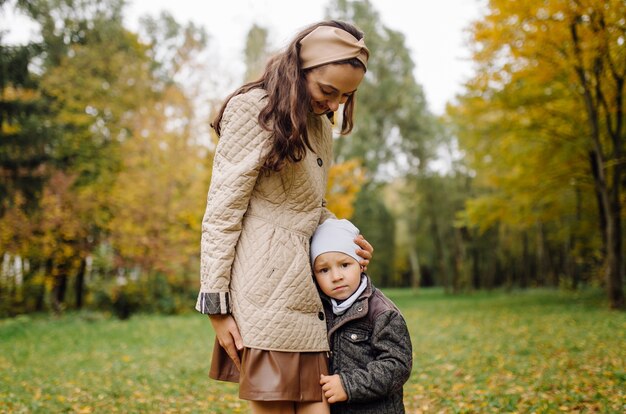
[[256, 52], [99, 171], [126, 295], [377, 226], [539, 351], [23, 140], [85, 62], [172, 47], [395, 137], [541, 125], [105, 156], [391, 116]]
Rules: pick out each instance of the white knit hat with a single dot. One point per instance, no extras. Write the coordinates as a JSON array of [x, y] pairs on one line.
[[335, 236]]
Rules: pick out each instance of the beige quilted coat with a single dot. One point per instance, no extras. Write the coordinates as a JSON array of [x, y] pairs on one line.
[[256, 232]]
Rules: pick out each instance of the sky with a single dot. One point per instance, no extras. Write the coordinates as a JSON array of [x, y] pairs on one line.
[[434, 29], [435, 32]]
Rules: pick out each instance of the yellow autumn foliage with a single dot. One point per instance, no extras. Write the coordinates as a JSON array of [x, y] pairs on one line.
[[344, 182]]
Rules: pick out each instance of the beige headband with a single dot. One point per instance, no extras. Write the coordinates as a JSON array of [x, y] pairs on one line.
[[327, 44]]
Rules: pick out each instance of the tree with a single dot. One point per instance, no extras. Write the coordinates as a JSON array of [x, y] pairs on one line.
[[25, 165], [94, 70], [156, 198], [22, 113], [112, 108], [394, 133], [554, 71], [256, 52]]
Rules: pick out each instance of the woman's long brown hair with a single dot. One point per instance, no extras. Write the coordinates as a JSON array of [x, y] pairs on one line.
[[288, 100]]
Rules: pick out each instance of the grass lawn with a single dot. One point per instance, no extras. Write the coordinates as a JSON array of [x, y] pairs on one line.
[[536, 351]]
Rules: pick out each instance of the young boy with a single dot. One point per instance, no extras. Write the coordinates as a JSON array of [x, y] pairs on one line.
[[371, 356]]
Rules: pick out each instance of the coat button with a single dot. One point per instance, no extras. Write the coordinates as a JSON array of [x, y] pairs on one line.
[[320, 162], [353, 337], [321, 316], [359, 309]]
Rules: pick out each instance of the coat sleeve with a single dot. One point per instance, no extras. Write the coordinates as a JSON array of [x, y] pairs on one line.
[[392, 366], [239, 156]]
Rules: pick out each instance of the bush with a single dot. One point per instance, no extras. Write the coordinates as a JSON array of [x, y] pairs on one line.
[[127, 299], [156, 293]]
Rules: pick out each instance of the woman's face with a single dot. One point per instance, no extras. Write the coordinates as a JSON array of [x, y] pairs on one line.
[[331, 85]]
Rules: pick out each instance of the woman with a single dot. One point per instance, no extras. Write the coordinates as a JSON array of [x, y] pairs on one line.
[[265, 201]]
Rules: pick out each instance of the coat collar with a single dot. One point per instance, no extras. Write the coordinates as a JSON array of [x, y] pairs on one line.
[[358, 309]]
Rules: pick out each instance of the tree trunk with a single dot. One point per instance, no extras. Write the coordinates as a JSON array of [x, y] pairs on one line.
[[545, 268], [475, 268], [439, 265], [614, 249], [59, 288], [415, 268], [610, 207], [80, 284], [574, 261], [602, 220], [607, 191], [526, 269]]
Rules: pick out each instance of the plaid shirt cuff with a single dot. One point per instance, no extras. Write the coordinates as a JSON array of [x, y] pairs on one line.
[[213, 303]]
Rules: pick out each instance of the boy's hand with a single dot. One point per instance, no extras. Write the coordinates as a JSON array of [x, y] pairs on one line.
[[332, 388]]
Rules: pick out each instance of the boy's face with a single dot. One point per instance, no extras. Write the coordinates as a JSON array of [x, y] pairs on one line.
[[337, 274]]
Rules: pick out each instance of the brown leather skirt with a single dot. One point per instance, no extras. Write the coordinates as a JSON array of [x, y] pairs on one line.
[[272, 375]]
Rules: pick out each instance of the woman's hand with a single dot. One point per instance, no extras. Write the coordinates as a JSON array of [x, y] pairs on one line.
[[228, 336], [365, 252]]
